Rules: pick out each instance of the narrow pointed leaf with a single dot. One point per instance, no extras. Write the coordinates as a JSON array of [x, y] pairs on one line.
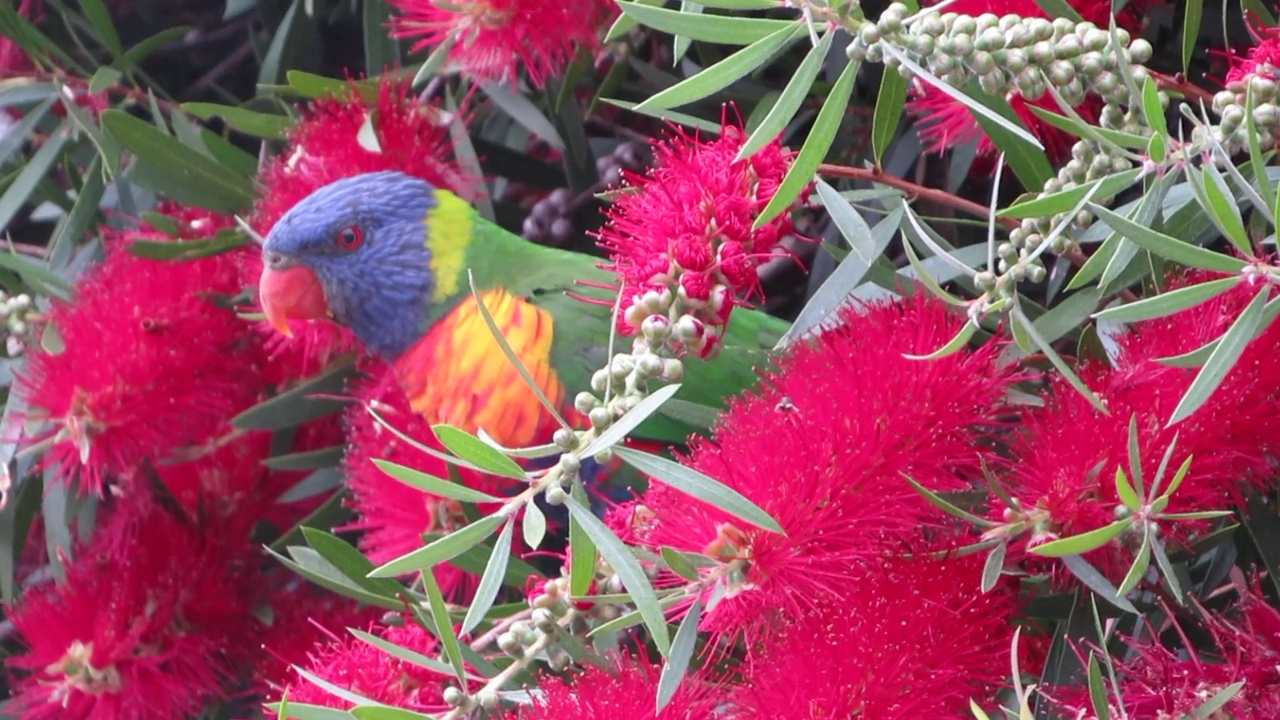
[[953, 346], [533, 526], [724, 73], [693, 483], [993, 566], [402, 653], [1084, 542], [446, 548], [444, 626], [686, 639], [1064, 200], [1170, 302], [491, 581], [1224, 357], [891, 102], [815, 147], [679, 564], [1097, 582], [938, 502], [477, 452], [849, 221], [1167, 246], [1138, 569], [433, 484], [582, 551], [629, 570], [623, 426], [1166, 569], [1098, 690], [788, 103], [724, 29]]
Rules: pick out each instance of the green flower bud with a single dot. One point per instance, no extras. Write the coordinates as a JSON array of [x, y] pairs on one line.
[[1041, 28], [1140, 51], [869, 34], [1015, 61], [555, 495], [453, 696], [1036, 273], [600, 418], [964, 25], [982, 63]]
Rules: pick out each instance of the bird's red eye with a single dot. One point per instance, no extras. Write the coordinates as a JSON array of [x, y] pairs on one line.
[[350, 238]]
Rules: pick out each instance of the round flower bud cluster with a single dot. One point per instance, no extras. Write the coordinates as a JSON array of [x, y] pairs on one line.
[[1009, 53], [1232, 105], [627, 376], [14, 310]]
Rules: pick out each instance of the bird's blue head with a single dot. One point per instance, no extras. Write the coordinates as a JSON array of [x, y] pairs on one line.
[[354, 251]]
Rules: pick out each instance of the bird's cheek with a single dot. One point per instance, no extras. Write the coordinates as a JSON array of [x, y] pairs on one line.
[[294, 293]]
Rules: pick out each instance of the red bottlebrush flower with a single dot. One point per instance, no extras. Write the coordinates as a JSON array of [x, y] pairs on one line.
[[303, 618], [1262, 59], [822, 445], [151, 363], [323, 146], [493, 38], [1161, 682], [945, 123], [370, 672], [153, 621], [683, 232], [914, 639], [1069, 452], [393, 515], [627, 689]]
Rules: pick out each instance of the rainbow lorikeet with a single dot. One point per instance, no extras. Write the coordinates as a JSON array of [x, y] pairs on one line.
[[387, 255]]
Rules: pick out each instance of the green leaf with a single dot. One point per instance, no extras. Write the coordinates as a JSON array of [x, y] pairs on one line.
[[1219, 700], [722, 29], [629, 571], [1083, 542], [183, 250], [993, 566], [1097, 582], [1223, 358], [724, 73], [1178, 477], [679, 564], [953, 346], [522, 110], [1138, 570], [1193, 11], [444, 626], [1167, 246], [445, 548], [939, 502], [676, 117], [1223, 207], [15, 135], [582, 551], [491, 581], [176, 170], [402, 653], [349, 561], [533, 525], [309, 564], [73, 227], [815, 147], [1127, 494], [1166, 569], [1028, 336], [249, 122], [1152, 108], [308, 460], [383, 712], [1170, 302], [477, 452], [434, 485], [381, 51], [835, 291], [980, 111], [34, 171], [1059, 8], [103, 78], [144, 49], [475, 559], [307, 711], [695, 484], [891, 102], [849, 221], [623, 426], [1026, 158], [788, 103], [682, 647], [1064, 200], [1098, 690], [95, 11], [295, 406], [435, 62]]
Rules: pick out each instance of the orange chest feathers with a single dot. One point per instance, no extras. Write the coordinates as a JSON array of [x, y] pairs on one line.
[[459, 375]]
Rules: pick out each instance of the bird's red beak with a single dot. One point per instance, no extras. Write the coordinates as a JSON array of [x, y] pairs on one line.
[[294, 293]]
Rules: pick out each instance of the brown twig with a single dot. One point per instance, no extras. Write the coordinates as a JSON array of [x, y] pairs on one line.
[[1179, 83], [942, 197]]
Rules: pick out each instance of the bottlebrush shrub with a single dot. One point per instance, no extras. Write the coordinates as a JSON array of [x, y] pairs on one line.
[[154, 621], [150, 364], [1069, 452], [822, 445]]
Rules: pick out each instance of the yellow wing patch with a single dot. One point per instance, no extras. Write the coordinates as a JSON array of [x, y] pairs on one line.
[[449, 227], [459, 375]]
